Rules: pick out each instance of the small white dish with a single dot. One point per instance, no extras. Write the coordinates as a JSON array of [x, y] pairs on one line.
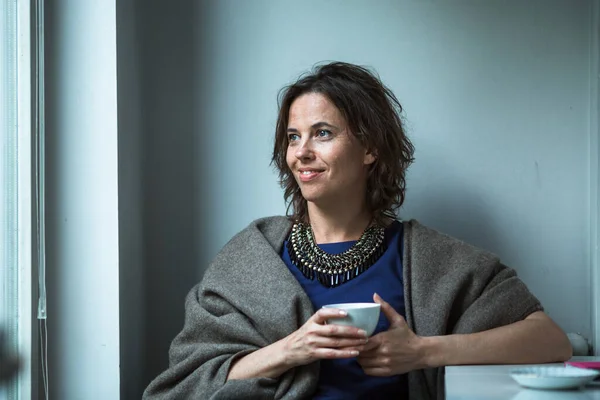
[[535, 394], [553, 377]]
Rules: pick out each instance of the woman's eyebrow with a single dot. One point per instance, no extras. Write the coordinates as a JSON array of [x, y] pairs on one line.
[[316, 125], [322, 124]]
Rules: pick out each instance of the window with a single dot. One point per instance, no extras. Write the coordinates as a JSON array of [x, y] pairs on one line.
[[16, 190], [9, 200]]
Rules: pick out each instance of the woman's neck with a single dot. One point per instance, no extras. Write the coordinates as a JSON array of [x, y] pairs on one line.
[[338, 224]]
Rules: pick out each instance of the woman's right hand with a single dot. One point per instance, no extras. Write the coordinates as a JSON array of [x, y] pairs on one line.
[[317, 340]]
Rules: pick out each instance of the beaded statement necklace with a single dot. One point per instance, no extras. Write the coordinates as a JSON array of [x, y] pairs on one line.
[[332, 270]]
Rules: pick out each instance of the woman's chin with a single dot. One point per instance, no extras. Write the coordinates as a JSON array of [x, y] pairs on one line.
[[311, 199], [317, 199]]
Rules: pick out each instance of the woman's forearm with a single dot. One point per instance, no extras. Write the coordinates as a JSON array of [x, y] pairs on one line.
[[267, 362], [536, 339], [313, 341]]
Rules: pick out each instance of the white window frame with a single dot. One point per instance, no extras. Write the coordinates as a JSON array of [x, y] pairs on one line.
[[26, 221], [26, 325]]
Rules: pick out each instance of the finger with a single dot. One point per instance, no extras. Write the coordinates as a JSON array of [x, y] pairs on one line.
[[368, 362], [370, 350], [364, 354], [336, 343], [335, 353], [333, 330], [358, 348], [371, 345], [321, 316], [377, 371], [374, 341], [389, 312]]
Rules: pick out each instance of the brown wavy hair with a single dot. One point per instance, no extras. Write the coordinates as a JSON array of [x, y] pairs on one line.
[[374, 117]]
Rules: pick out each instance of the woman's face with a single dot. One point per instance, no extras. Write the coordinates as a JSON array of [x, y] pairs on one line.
[[327, 161]]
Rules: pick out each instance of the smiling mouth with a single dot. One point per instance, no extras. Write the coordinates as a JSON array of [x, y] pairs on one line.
[[309, 175]]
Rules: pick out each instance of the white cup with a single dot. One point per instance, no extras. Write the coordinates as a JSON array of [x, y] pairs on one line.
[[360, 315]]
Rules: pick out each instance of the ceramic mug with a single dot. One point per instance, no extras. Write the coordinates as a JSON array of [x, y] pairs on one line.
[[360, 315]]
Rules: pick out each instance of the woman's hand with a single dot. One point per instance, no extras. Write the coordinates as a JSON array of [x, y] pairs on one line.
[[395, 351], [315, 340]]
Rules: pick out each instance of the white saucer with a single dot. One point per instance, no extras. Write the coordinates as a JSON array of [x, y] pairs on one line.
[[535, 394], [553, 377]]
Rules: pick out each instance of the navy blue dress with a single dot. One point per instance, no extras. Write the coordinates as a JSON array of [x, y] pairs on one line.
[[344, 378]]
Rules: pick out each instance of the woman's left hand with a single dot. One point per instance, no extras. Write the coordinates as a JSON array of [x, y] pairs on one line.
[[395, 351]]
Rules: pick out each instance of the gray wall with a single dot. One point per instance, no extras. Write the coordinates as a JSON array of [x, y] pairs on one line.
[[170, 171], [497, 102], [82, 221], [132, 318]]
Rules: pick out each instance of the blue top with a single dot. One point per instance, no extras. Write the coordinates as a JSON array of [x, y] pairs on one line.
[[344, 378]]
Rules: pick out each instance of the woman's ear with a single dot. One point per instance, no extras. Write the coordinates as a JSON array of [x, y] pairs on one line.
[[370, 157]]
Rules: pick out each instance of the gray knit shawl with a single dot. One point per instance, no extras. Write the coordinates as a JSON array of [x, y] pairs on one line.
[[249, 299]]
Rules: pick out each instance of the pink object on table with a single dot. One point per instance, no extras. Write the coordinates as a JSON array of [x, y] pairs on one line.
[[584, 364], [595, 365]]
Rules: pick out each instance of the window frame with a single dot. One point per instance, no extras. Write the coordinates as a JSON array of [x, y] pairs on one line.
[[27, 31]]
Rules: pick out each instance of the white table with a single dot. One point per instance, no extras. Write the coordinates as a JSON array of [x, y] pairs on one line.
[[493, 382]]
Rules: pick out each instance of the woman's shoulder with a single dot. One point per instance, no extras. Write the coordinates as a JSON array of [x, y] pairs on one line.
[[275, 224], [261, 236], [270, 229], [422, 239]]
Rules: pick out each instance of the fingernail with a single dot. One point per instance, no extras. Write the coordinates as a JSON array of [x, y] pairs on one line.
[[362, 332], [354, 352], [344, 313]]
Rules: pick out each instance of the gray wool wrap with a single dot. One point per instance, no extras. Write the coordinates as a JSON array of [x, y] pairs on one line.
[[249, 299]]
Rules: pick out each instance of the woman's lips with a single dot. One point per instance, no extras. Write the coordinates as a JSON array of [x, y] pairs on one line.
[[307, 176]]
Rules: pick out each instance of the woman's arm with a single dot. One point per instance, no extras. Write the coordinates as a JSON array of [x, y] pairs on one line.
[[268, 362], [536, 339], [313, 341]]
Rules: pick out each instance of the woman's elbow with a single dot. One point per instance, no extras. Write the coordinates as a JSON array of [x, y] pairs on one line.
[[566, 349], [562, 349], [556, 345]]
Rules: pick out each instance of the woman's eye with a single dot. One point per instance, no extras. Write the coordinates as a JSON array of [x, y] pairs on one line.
[[293, 137], [323, 133]]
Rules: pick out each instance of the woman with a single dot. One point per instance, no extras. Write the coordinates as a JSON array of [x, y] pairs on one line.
[[251, 330]]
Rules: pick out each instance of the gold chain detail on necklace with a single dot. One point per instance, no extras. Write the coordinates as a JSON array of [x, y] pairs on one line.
[[332, 270]]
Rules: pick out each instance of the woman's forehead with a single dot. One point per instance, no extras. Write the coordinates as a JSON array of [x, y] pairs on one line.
[[311, 108]]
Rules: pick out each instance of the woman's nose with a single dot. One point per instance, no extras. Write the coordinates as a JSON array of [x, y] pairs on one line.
[[304, 151]]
